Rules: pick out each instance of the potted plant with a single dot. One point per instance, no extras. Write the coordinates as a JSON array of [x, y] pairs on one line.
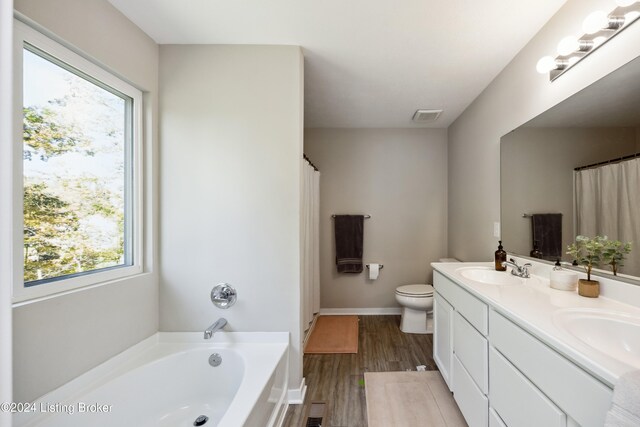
[[588, 252], [614, 252]]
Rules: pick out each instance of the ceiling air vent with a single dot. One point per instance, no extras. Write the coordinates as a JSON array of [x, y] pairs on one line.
[[426, 116]]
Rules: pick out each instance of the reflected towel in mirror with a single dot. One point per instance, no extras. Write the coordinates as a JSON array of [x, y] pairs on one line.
[[547, 234]]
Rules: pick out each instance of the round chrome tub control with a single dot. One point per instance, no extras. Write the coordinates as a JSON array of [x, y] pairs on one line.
[[223, 295]]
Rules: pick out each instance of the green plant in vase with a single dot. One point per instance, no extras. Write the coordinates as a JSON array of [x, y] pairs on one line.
[[588, 252], [614, 254]]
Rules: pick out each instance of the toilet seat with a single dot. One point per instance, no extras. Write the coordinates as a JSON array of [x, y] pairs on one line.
[[415, 291]]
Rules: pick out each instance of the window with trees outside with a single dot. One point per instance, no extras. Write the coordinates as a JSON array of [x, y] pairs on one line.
[[79, 170]]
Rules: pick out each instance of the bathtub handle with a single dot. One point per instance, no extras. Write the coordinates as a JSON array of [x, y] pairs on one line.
[[223, 295]]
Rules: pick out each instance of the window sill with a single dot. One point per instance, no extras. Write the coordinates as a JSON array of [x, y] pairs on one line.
[[22, 300]]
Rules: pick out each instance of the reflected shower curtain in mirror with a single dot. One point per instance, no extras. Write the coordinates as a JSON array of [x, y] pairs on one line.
[[310, 245], [607, 203]]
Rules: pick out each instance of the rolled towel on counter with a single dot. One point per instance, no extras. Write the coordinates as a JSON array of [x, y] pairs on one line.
[[564, 280], [625, 405]]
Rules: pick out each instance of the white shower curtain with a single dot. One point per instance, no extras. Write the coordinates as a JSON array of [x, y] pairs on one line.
[[310, 250], [607, 200]]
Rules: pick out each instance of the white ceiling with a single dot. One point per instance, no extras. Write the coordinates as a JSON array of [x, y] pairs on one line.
[[368, 63]]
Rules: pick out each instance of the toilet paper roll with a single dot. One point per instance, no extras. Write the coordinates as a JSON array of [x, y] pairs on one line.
[[374, 270]]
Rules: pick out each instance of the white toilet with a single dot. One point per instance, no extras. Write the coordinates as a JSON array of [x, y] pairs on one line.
[[417, 306]]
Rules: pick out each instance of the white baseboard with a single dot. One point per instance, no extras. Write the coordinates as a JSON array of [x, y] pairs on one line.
[[296, 395], [308, 334], [384, 311]]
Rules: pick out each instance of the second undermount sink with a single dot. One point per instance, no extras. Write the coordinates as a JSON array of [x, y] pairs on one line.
[[489, 276], [613, 333]]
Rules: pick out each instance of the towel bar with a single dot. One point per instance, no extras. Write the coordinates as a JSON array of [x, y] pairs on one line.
[[381, 266], [526, 215], [365, 216]]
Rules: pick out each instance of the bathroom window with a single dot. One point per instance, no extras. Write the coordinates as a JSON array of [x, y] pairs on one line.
[[80, 186]]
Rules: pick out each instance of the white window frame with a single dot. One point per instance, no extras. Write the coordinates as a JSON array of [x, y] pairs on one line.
[[21, 294]]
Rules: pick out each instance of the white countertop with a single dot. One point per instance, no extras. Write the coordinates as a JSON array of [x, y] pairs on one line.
[[532, 306]]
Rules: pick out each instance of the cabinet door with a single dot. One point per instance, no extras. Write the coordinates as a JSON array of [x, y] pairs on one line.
[[442, 336]]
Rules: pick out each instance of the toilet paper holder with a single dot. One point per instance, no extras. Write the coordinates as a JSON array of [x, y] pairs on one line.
[[381, 266]]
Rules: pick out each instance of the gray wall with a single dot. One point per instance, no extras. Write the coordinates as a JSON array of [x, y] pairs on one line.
[[398, 176], [517, 95], [231, 150], [537, 175], [60, 338]]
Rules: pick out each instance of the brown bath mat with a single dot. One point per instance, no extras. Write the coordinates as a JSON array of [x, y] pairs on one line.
[[334, 334], [410, 399]]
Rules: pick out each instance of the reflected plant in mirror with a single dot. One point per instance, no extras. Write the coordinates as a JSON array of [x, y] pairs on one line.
[[614, 254], [577, 163]]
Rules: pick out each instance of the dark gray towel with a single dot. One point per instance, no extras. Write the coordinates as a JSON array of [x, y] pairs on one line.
[[349, 232], [547, 234]]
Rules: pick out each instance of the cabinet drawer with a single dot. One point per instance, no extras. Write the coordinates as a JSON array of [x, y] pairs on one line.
[[494, 419], [474, 310], [519, 402], [574, 391], [471, 349], [472, 403]]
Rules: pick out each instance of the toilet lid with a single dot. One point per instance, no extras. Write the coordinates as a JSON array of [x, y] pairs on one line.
[[415, 290]]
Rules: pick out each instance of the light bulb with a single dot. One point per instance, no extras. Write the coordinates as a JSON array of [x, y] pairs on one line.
[[595, 22], [625, 3], [568, 45], [546, 64]]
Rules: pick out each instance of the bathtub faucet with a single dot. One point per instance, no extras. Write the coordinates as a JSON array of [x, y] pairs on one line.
[[217, 325]]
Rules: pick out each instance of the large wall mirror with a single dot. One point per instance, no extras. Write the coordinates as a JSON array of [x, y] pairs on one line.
[[575, 170]]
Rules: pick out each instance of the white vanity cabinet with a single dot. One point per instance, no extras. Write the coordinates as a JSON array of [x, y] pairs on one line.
[[559, 383], [501, 375], [466, 326]]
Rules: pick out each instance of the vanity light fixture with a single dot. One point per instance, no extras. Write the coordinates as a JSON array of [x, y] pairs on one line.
[[598, 27]]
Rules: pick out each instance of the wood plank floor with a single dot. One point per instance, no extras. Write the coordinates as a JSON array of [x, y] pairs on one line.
[[338, 379]]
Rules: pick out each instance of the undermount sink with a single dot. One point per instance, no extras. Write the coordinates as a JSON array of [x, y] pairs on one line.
[[614, 333], [489, 276]]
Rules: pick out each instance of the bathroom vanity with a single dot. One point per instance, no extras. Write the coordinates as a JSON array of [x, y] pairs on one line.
[[515, 352]]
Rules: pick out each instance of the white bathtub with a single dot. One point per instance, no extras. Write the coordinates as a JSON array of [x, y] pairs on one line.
[[166, 380]]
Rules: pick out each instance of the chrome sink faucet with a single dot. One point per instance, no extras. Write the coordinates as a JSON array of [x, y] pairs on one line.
[[518, 270], [215, 327]]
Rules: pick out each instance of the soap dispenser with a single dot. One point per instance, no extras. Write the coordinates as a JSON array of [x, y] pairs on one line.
[[500, 257], [535, 252]]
